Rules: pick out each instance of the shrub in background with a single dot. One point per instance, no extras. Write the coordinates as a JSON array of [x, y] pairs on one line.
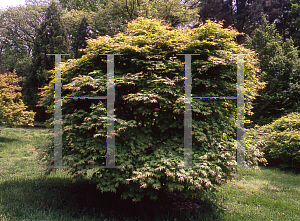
[[12, 109], [280, 141], [149, 109]]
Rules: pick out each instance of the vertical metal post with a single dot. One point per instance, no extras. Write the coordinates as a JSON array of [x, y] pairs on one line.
[[240, 152], [188, 148], [57, 113], [110, 154]]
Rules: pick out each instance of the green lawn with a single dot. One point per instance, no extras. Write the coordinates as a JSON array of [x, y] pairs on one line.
[[27, 194]]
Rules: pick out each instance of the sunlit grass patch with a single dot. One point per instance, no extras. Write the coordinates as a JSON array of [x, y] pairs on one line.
[[262, 195]]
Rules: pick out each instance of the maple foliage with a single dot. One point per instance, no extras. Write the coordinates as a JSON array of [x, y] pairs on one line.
[[12, 109], [149, 109]]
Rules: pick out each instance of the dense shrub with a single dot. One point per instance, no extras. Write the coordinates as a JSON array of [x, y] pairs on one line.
[[280, 141], [12, 109], [254, 157], [149, 109]]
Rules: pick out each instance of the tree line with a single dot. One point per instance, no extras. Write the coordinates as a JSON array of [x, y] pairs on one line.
[[40, 27]]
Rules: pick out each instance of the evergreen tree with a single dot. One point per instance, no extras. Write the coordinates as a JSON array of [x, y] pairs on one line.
[[295, 22], [78, 38], [50, 38], [279, 64]]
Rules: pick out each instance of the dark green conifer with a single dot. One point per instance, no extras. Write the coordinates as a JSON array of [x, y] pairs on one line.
[[79, 38], [50, 38], [279, 64]]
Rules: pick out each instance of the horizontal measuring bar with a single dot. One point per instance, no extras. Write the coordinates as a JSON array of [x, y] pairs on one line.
[[57, 54], [229, 97], [105, 97], [96, 97]]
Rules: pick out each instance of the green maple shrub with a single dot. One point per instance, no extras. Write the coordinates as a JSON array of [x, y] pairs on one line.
[[149, 109], [12, 109], [279, 141]]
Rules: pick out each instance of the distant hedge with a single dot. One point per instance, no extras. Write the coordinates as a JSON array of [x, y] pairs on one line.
[[149, 109]]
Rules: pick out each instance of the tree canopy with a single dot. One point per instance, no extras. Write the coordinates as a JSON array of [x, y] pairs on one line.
[[17, 34], [280, 68], [50, 38], [295, 22]]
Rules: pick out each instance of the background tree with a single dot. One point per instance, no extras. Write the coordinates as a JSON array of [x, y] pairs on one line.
[[279, 64], [276, 12], [87, 5], [12, 108], [80, 25], [246, 15], [295, 23], [50, 38], [112, 16], [79, 37], [232, 13], [17, 32]]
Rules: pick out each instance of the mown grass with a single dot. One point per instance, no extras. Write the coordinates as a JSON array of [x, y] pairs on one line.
[[27, 194], [266, 194]]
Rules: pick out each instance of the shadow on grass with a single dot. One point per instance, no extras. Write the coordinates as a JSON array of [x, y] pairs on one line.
[[63, 200], [5, 140], [292, 171]]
